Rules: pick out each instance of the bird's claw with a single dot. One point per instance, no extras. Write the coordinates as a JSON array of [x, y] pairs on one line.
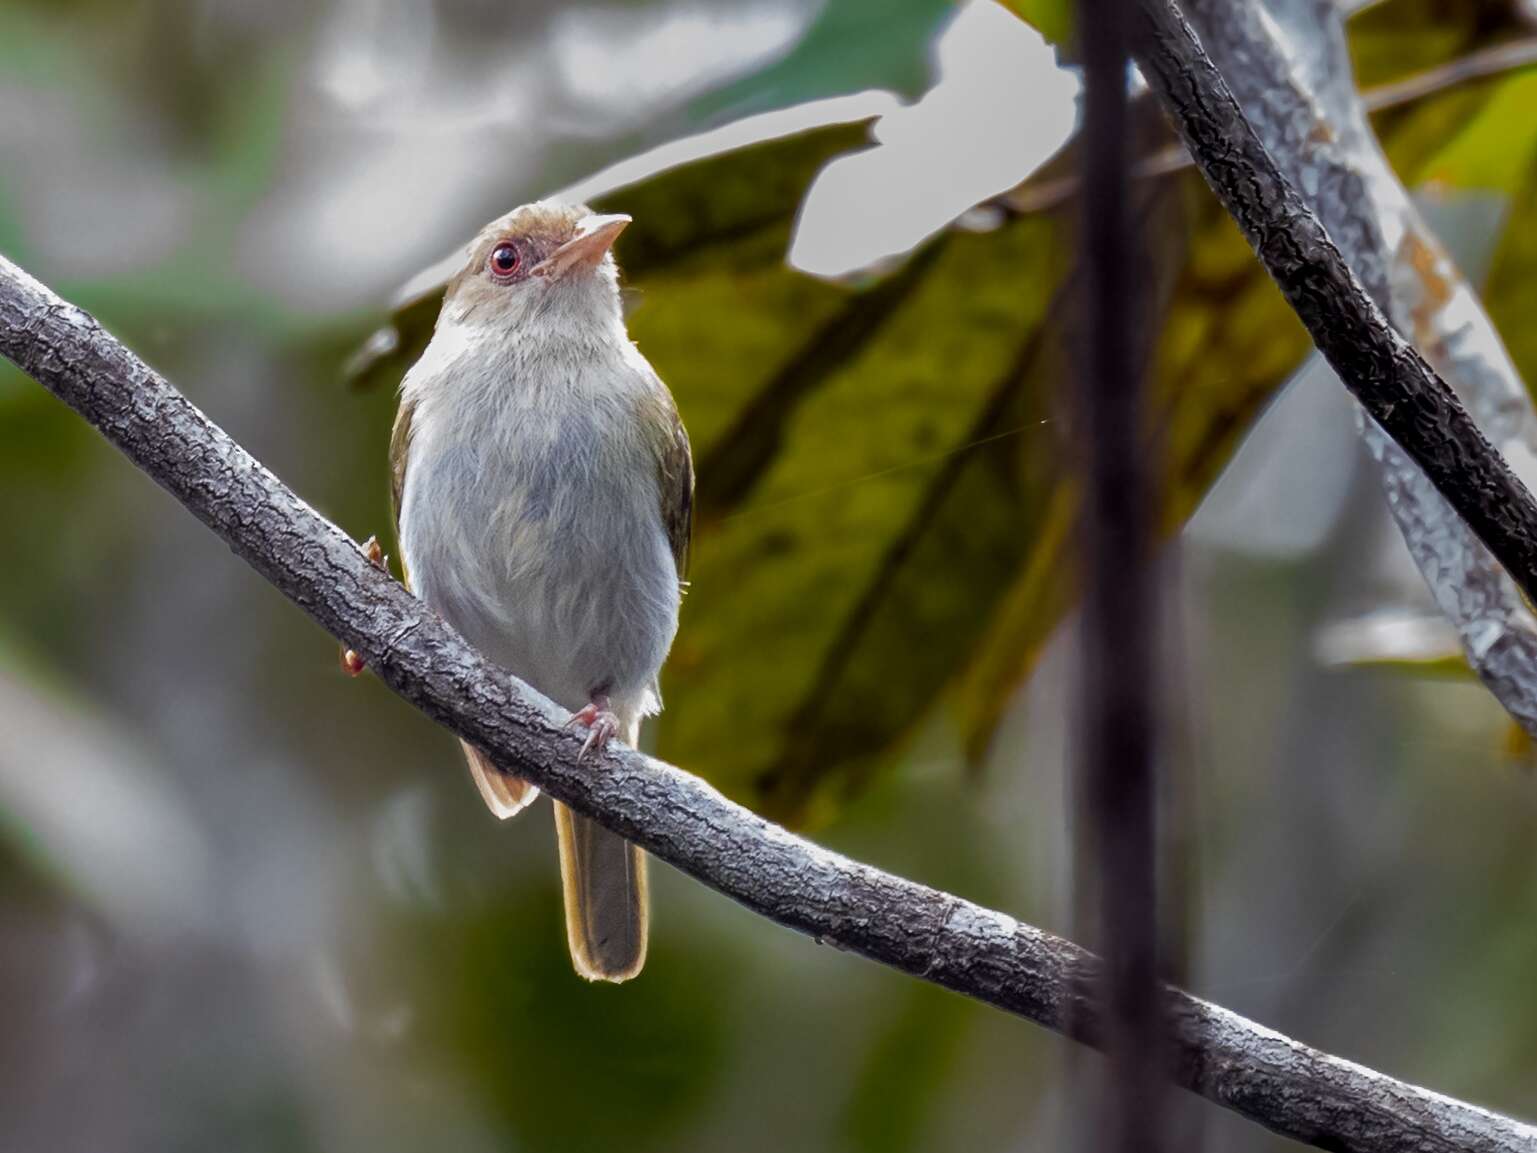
[[352, 664], [374, 552], [602, 727]]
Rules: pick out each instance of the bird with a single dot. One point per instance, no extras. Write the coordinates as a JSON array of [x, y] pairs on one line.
[[542, 488]]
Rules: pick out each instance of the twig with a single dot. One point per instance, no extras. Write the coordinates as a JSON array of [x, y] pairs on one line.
[[1480, 65], [1260, 1074], [1120, 600]]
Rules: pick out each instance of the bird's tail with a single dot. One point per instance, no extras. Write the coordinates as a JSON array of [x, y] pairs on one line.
[[605, 884], [505, 795]]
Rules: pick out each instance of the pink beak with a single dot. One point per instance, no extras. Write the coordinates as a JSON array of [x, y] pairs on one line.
[[595, 235]]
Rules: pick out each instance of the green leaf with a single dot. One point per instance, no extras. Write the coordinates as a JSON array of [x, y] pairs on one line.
[[1511, 292], [1053, 19], [832, 603], [1494, 149], [1393, 40], [1227, 341], [1471, 133], [853, 45]]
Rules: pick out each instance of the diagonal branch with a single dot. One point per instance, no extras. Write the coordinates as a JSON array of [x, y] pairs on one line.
[[1271, 1079], [1394, 383], [1288, 65]]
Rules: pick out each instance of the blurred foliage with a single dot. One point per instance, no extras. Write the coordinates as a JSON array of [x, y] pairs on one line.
[[1053, 19], [894, 1091], [1420, 644], [1394, 39], [1494, 150], [885, 550], [1511, 292], [524, 1056], [850, 46]]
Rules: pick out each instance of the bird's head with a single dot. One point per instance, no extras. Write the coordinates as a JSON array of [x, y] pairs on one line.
[[543, 266]]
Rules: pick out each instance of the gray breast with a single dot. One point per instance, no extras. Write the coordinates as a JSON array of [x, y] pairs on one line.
[[540, 538]]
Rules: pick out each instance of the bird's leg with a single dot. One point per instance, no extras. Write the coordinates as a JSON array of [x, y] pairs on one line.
[[352, 663], [601, 721]]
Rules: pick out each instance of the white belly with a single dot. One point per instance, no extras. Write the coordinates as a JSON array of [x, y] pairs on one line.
[[545, 548]]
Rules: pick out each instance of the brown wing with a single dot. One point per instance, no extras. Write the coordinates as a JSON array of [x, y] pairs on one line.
[[400, 446], [675, 463]]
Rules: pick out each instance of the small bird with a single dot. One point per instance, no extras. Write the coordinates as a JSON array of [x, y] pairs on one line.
[[543, 498]]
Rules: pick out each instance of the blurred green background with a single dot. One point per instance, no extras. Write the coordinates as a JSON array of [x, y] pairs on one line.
[[248, 903]]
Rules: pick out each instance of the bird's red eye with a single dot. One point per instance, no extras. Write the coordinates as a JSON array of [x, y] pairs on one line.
[[505, 260]]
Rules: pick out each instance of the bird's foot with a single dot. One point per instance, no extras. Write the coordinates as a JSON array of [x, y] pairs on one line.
[[602, 725], [375, 553], [352, 663]]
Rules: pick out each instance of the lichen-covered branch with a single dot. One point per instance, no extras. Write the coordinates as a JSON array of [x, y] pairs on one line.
[[1396, 386], [1271, 1079], [1289, 68]]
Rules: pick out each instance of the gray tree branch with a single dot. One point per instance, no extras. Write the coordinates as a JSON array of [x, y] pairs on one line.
[[1260, 1074], [1395, 384], [1289, 67]]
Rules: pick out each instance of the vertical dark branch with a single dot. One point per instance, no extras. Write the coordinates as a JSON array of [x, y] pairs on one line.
[[1121, 606]]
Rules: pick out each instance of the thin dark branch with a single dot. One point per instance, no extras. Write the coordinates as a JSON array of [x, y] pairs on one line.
[[1393, 382], [1120, 601], [928, 934]]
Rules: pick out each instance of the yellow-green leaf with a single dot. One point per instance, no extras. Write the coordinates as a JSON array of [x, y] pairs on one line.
[[1053, 19]]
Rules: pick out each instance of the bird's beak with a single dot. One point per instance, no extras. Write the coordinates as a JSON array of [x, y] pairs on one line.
[[595, 235]]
